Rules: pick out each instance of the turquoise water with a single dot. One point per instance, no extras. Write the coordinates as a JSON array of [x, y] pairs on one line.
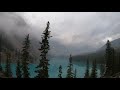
[[53, 68]]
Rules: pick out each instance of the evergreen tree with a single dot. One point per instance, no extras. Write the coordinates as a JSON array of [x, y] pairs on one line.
[[60, 72], [25, 57], [0, 52], [8, 72], [94, 70], [75, 73], [109, 59], [18, 70], [19, 55], [42, 68], [70, 69], [102, 69], [119, 62], [16, 54], [114, 61], [87, 70]]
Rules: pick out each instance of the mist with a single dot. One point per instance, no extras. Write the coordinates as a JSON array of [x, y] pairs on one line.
[[73, 32]]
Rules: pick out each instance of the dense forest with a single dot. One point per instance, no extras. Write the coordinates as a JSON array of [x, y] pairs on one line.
[[109, 68]]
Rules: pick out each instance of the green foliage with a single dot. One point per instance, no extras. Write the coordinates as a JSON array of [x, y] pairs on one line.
[[18, 67], [87, 70], [25, 57], [102, 69], [18, 70], [75, 73], [70, 73], [42, 68], [8, 72], [0, 52], [118, 62], [94, 70], [110, 58], [60, 72]]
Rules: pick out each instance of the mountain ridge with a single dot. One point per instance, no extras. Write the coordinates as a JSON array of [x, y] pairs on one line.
[[98, 54]]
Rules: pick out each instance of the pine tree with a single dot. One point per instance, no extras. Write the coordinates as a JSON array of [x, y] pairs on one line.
[[8, 72], [25, 57], [70, 69], [18, 70], [119, 62], [42, 68], [60, 72], [87, 70], [114, 61], [75, 73], [94, 70], [16, 54], [19, 55], [102, 70], [109, 59], [0, 51]]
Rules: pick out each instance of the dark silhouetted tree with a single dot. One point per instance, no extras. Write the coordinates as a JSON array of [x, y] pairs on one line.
[[43, 67], [18, 70], [16, 54], [60, 72], [94, 70], [70, 73], [8, 72], [19, 55], [114, 61], [102, 69], [25, 57], [0, 52], [109, 59], [119, 62], [75, 73], [87, 70]]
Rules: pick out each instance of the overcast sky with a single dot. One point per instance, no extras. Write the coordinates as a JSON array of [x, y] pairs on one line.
[[78, 32]]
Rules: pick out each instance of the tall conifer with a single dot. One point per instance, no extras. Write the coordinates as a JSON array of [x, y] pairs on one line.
[[25, 57], [43, 67]]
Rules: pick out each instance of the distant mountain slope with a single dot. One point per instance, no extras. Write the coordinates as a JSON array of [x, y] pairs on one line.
[[115, 43], [13, 30], [99, 54]]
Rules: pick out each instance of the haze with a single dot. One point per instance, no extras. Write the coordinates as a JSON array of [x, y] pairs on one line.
[[73, 32]]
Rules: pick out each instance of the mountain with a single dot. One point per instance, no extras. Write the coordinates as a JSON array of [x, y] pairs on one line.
[[115, 43], [99, 55], [13, 30]]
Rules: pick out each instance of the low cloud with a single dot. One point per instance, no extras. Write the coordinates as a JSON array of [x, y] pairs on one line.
[[73, 32]]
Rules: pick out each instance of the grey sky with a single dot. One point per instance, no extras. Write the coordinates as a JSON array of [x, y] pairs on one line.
[[75, 32]]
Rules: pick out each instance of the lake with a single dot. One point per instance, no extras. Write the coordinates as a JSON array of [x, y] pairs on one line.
[[54, 68]]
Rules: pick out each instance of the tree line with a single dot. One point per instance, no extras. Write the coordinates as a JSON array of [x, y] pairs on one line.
[[42, 70]]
